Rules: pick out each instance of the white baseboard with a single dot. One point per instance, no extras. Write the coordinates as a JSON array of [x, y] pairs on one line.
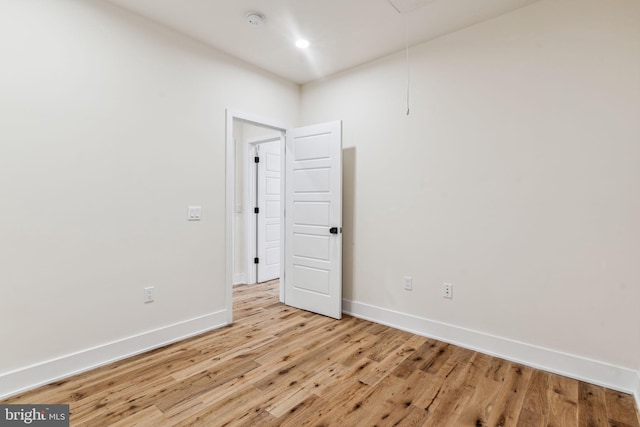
[[239, 279], [637, 390], [592, 371], [18, 381]]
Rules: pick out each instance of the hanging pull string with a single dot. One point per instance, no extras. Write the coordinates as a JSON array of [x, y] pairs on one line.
[[394, 6], [404, 8], [406, 26]]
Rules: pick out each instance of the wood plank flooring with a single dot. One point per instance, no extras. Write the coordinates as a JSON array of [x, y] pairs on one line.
[[278, 366]]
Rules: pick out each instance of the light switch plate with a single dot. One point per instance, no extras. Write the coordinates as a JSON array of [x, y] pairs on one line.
[[149, 294], [195, 213]]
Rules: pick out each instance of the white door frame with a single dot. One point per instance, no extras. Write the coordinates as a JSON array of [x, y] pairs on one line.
[[250, 202], [232, 115]]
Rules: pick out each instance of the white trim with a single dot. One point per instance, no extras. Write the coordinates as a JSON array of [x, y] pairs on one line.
[[240, 279], [569, 365], [249, 223], [636, 392], [21, 380], [230, 212], [283, 201], [232, 114], [257, 120]]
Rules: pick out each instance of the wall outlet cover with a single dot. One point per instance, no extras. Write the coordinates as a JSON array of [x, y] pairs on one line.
[[447, 290]]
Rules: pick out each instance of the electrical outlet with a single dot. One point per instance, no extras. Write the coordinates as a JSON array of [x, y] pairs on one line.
[[149, 294], [447, 290], [408, 283]]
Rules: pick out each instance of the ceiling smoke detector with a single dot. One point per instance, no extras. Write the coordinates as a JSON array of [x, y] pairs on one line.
[[255, 19]]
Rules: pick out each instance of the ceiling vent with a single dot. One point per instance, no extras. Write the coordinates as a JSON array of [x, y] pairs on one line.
[[406, 6]]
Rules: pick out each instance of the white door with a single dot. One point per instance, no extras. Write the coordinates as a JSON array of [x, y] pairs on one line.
[[268, 182], [313, 219]]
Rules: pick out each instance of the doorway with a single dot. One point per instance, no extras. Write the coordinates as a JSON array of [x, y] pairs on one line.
[[262, 166], [242, 128], [310, 250]]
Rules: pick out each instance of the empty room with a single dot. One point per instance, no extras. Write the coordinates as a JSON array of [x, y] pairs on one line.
[[320, 212]]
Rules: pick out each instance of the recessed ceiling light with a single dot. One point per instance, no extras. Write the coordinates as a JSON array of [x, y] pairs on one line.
[[302, 43]]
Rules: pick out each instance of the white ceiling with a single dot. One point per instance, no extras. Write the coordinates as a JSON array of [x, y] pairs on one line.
[[343, 33]]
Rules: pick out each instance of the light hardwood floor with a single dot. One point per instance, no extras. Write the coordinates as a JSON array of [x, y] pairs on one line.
[[280, 366]]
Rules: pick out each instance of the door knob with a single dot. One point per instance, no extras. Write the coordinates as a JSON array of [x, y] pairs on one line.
[[334, 230]]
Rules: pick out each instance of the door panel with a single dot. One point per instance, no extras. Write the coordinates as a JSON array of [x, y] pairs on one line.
[[312, 180], [312, 213], [311, 279], [310, 246], [313, 256]]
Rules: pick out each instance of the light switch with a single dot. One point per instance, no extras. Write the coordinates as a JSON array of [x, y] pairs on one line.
[[195, 212]]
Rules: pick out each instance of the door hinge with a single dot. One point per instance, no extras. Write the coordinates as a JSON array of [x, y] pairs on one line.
[[256, 210], [256, 159], [256, 260]]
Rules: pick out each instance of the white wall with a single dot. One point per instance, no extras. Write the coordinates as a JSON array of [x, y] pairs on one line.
[[110, 127], [515, 178]]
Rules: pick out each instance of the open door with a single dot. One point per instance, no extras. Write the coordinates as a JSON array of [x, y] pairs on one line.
[[313, 219], [268, 212]]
